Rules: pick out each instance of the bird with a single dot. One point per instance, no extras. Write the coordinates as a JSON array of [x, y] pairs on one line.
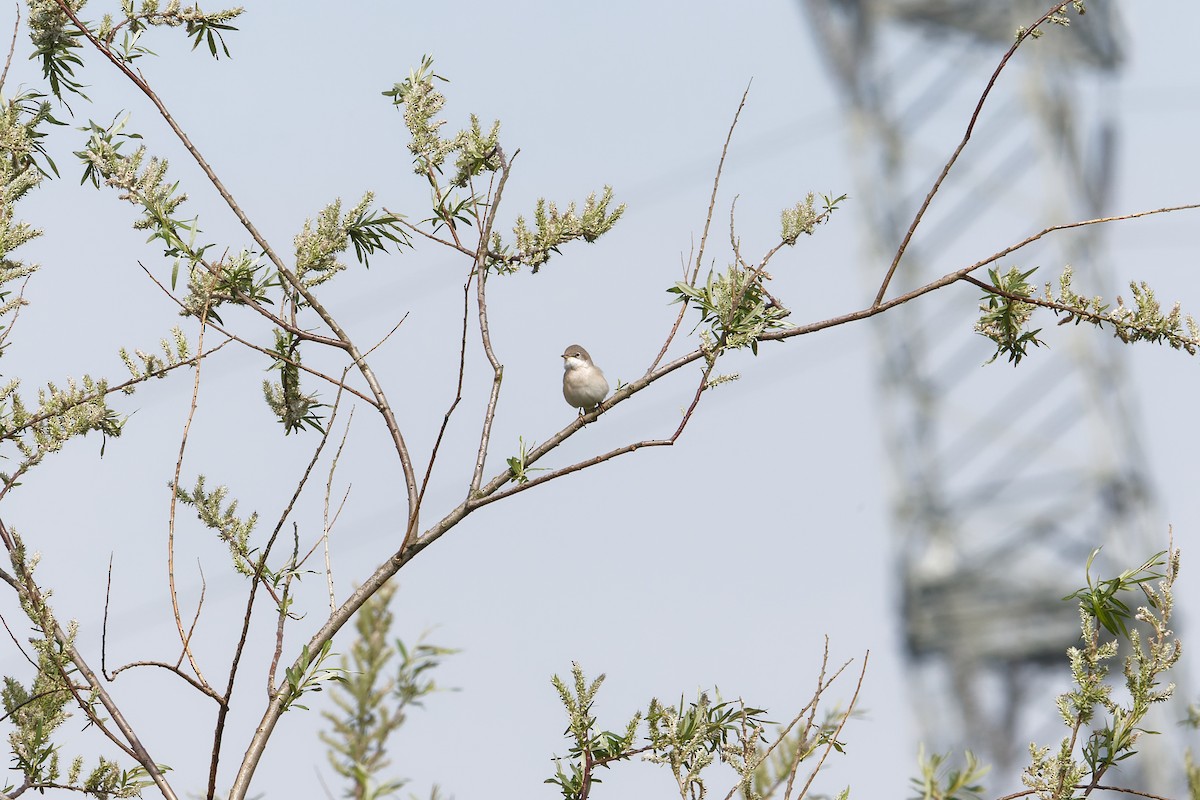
[[584, 385]]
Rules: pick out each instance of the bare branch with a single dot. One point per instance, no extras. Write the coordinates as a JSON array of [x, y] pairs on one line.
[[20, 649], [481, 274], [833, 738], [187, 425], [466, 251], [103, 625], [195, 617], [328, 526], [173, 668], [281, 619], [12, 47], [937, 184], [462, 366], [712, 203]]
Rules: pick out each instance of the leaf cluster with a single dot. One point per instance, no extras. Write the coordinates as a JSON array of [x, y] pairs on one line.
[[373, 699], [1004, 319], [552, 229], [55, 42], [38, 711], [938, 780], [803, 218], [61, 414], [241, 279], [735, 305], [176, 351], [1145, 321], [21, 154], [1007, 310], [143, 182], [295, 409], [221, 517], [1102, 600], [1104, 731], [421, 103], [23, 146], [589, 747], [35, 714], [319, 243], [56, 39], [517, 464], [687, 738], [1059, 18], [310, 674], [476, 153], [201, 27]]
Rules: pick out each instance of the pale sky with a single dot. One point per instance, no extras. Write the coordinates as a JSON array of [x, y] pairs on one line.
[[723, 561]]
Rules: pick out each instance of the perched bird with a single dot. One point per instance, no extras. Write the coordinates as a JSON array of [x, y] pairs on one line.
[[584, 385]]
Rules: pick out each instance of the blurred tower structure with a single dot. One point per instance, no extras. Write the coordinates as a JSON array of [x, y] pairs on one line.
[[1004, 480]]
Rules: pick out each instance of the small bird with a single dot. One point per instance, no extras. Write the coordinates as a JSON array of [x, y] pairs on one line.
[[584, 385]]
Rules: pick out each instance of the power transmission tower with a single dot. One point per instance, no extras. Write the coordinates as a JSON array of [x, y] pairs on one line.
[[1004, 481]]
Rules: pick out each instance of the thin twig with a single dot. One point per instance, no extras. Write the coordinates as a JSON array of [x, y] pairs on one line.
[[386, 336], [223, 711], [481, 274], [466, 251], [712, 204], [195, 617], [810, 708], [462, 367], [20, 649], [328, 526], [12, 47], [833, 739], [187, 425], [104, 624], [289, 575], [20, 300], [173, 668], [937, 184]]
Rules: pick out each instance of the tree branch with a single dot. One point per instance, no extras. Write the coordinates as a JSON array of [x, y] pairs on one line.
[[712, 203], [481, 274], [937, 184]]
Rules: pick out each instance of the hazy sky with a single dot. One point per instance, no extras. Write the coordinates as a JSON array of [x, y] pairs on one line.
[[722, 561]]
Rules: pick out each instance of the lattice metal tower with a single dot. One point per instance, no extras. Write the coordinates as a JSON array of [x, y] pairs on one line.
[[1004, 480]]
